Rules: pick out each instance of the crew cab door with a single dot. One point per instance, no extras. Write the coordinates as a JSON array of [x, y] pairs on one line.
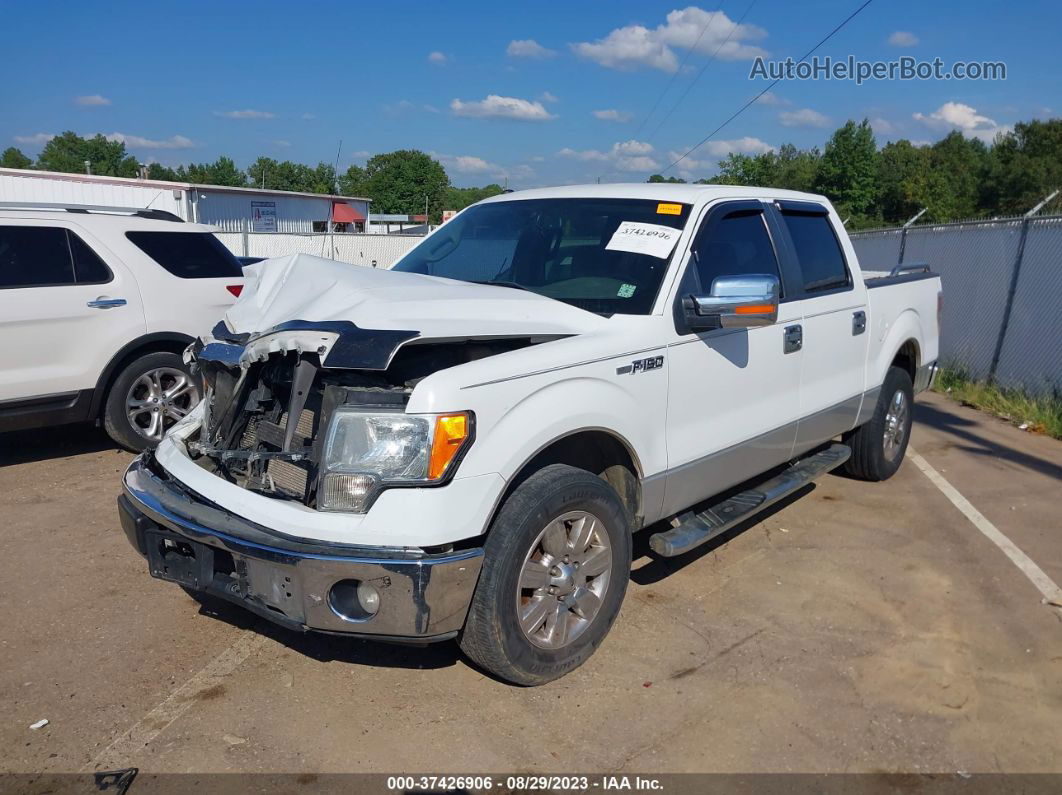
[[64, 312], [733, 393], [832, 303]]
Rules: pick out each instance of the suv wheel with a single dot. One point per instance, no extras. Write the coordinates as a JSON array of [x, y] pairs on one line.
[[149, 395], [555, 570]]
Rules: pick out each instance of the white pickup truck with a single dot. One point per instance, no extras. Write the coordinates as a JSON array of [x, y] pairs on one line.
[[463, 445]]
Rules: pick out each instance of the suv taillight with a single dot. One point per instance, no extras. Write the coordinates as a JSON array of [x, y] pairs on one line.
[[235, 289]]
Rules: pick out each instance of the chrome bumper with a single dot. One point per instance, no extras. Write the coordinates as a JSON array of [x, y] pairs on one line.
[[292, 582]]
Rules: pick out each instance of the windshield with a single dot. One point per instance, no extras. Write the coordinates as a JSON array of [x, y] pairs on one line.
[[604, 255]]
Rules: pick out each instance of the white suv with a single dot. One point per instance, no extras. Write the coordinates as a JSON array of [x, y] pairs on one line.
[[96, 306]]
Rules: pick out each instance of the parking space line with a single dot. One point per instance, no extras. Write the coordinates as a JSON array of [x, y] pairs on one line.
[[1052, 593], [118, 753]]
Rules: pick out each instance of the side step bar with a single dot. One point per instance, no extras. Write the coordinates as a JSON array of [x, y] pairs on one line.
[[695, 529]]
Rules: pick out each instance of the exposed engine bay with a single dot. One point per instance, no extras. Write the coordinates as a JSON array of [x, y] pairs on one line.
[[248, 436]]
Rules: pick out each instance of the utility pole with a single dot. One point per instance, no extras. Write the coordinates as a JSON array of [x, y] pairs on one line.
[[425, 213], [88, 167]]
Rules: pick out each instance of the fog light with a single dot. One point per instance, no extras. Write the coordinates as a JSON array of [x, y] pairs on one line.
[[343, 492], [354, 600], [368, 598]]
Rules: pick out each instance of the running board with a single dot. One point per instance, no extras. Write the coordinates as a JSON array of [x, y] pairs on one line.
[[695, 529]]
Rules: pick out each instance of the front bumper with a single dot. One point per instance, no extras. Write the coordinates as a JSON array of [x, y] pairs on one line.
[[299, 583]]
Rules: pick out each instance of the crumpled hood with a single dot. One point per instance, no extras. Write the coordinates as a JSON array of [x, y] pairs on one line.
[[308, 288]]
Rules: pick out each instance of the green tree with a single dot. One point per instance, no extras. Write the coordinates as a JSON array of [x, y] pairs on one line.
[[661, 178], [848, 172], [353, 182], [69, 151], [903, 172], [1024, 166], [398, 182], [222, 171], [460, 198], [795, 169], [13, 158], [159, 171], [961, 164]]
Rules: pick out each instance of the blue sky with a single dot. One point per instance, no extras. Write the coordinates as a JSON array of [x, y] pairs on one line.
[[540, 94]]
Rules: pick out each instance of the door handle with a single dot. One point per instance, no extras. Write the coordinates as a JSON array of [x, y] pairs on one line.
[[106, 303], [859, 322], [793, 339]]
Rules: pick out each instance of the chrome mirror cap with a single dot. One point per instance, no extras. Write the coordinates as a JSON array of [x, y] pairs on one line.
[[735, 302]]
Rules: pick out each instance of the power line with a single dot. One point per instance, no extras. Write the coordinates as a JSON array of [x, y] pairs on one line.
[[701, 73], [671, 82], [752, 101]]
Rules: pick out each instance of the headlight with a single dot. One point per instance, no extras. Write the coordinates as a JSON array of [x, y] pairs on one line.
[[366, 451]]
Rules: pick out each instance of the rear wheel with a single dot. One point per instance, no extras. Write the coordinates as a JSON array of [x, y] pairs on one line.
[[556, 565], [878, 447], [149, 395]]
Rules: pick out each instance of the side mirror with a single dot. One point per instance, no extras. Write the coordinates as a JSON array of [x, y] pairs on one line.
[[735, 302]]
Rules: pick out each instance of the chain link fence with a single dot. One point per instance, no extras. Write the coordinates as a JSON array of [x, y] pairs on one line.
[[374, 251], [1002, 287]]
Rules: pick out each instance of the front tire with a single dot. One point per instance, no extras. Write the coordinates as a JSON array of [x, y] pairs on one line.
[[556, 566], [878, 447], [150, 394]]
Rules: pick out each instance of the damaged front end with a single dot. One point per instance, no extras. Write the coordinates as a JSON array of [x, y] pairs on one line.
[[271, 397]]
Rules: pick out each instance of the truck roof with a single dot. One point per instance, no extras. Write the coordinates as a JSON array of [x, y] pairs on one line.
[[658, 191]]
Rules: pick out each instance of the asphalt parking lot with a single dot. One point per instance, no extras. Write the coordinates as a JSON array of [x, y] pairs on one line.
[[857, 627]]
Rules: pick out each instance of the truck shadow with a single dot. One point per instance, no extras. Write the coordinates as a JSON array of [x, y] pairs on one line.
[[656, 568], [969, 441], [43, 444]]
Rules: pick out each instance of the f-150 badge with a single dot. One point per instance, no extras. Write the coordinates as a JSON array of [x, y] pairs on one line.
[[641, 366]]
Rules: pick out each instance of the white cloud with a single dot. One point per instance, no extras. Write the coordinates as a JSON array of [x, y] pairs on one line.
[[431, 109], [613, 115], [37, 138], [548, 96], [137, 142], [528, 48], [471, 164], [771, 99], [244, 114], [281, 143], [805, 117], [693, 167], [623, 156], [308, 116], [704, 32], [360, 154], [903, 38], [438, 58], [498, 107], [883, 126], [92, 100], [957, 116], [745, 146]]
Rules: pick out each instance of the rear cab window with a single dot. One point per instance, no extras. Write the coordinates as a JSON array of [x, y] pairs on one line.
[[817, 249], [188, 255], [47, 256]]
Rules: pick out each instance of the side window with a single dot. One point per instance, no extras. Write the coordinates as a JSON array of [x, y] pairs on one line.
[[34, 256], [735, 244], [188, 255], [88, 267], [817, 251]]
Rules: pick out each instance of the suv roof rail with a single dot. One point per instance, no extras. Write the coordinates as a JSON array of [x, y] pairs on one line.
[[140, 212]]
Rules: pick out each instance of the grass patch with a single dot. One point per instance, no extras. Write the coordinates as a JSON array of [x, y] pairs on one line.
[[1039, 414]]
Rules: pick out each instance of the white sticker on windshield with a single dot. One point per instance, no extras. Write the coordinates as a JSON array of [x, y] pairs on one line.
[[638, 238]]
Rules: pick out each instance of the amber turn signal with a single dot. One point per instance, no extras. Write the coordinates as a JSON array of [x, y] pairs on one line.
[[451, 431]]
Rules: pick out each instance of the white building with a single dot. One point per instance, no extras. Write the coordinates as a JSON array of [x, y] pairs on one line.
[[229, 209]]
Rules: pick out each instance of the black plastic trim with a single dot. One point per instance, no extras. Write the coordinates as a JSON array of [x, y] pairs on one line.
[[42, 410]]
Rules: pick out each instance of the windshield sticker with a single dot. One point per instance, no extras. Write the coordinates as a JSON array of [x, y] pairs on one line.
[[626, 290], [638, 238], [666, 208]]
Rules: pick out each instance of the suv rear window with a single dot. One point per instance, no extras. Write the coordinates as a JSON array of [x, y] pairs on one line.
[[188, 255], [47, 256]]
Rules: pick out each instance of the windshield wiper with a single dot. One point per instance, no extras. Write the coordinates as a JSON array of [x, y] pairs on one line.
[[514, 285]]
